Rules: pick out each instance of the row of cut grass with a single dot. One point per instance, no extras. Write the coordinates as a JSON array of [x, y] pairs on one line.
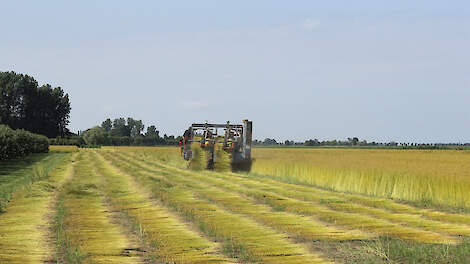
[[376, 202], [338, 202], [25, 226], [385, 249], [170, 239], [342, 158], [241, 236], [88, 225], [18, 173], [402, 208], [303, 228], [349, 220], [375, 206], [426, 177], [399, 213]]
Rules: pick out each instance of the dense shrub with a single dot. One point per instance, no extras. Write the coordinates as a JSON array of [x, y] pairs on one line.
[[19, 143]]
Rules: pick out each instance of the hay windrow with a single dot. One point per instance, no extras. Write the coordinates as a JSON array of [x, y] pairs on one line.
[[16, 175], [122, 202], [88, 225], [260, 243], [320, 211], [306, 229], [340, 202], [170, 239], [24, 228]]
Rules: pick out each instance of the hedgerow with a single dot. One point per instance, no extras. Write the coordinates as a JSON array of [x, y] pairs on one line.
[[19, 143]]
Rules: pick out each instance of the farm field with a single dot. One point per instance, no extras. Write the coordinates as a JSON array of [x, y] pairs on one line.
[[429, 177], [143, 205]]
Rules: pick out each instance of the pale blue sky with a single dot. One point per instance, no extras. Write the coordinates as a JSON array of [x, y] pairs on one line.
[[378, 70]]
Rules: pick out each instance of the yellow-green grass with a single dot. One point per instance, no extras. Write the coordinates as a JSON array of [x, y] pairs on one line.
[[198, 160], [62, 149], [169, 155], [349, 220], [156, 154], [241, 236], [25, 227], [19, 173], [330, 197], [404, 208], [436, 177], [336, 201], [368, 205], [223, 160], [171, 240], [303, 228], [88, 222]]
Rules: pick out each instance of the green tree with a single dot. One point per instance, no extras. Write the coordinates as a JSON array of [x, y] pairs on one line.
[[23, 104], [269, 141], [120, 128], [152, 131], [135, 127], [96, 136], [355, 140], [107, 125]]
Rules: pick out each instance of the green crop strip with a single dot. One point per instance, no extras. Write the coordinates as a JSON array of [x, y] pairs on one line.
[[350, 220], [24, 227], [241, 236], [170, 239], [87, 224]]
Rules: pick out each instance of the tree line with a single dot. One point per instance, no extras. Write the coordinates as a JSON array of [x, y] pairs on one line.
[[45, 110], [26, 105], [126, 132], [356, 142]]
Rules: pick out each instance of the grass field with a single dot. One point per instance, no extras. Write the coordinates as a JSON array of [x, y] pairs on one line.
[[427, 177], [143, 205]]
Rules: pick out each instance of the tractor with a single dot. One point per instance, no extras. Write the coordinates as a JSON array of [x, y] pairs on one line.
[[234, 139]]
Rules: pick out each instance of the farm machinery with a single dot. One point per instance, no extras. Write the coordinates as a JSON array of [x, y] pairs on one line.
[[233, 139]]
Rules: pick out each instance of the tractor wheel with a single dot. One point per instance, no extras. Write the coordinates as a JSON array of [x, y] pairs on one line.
[[242, 166]]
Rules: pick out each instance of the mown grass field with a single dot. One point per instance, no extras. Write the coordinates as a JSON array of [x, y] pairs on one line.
[[143, 205]]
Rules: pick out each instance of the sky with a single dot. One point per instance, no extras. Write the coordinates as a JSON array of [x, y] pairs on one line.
[[378, 70]]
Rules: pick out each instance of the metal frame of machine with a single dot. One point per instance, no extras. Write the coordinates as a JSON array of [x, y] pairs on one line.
[[234, 139]]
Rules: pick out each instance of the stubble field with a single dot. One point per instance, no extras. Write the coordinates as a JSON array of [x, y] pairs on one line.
[[142, 205]]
